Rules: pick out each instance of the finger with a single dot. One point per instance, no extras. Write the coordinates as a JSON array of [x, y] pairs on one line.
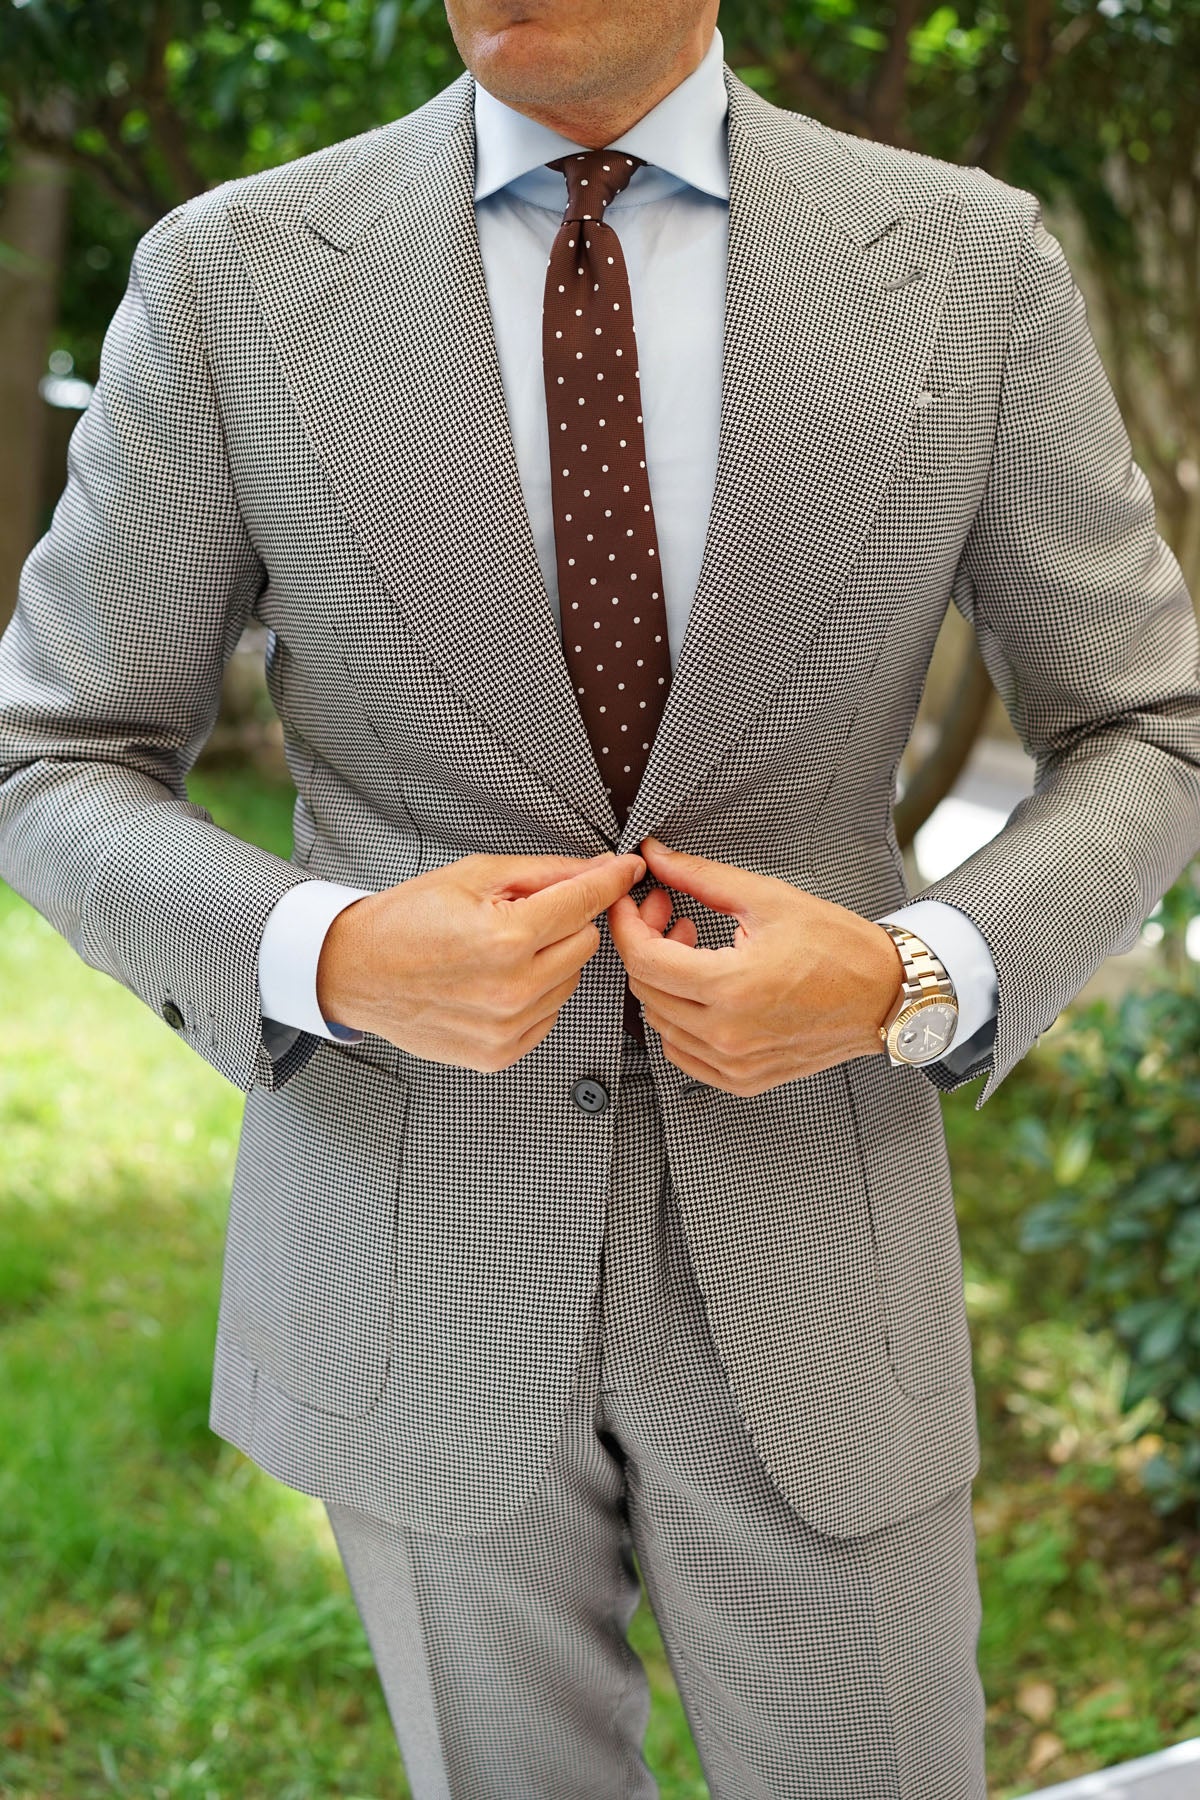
[[559, 910], [696, 1067], [514, 877], [719, 885], [656, 909], [749, 1067], [666, 963], [555, 962], [684, 932]]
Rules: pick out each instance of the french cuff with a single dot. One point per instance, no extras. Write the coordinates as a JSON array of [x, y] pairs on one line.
[[960, 947], [288, 954]]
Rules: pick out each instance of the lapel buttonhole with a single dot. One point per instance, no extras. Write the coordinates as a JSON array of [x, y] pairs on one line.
[[902, 281]]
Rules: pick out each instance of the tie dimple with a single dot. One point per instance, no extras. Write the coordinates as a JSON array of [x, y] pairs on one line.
[[614, 617]]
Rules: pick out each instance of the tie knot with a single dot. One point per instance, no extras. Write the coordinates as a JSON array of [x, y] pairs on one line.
[[593, 178]]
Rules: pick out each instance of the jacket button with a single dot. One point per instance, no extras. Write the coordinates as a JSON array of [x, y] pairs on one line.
[[173, 1016], [590, 1096]]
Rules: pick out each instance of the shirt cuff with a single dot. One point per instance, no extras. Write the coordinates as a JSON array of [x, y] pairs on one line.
[[959, 946], [288, 955]]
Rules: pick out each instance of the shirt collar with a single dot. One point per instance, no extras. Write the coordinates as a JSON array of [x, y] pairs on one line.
[[683, 137]]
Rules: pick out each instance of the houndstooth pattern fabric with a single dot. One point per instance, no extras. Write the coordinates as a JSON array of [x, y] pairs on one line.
[[300, 419], [808, 1666]]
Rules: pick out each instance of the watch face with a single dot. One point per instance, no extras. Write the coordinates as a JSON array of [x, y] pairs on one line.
[[927, 1033]]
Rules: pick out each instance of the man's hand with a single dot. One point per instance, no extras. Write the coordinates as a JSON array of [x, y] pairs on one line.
[[805, 984], [470, 963]]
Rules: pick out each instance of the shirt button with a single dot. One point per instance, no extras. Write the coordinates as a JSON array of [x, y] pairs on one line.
[[172, 1015], [590, 1096]]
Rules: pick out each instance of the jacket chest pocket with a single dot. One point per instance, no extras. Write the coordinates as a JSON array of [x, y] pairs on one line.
[[938, 436], [311, 1252]]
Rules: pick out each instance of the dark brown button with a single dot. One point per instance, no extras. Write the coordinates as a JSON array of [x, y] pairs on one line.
[[173, 1016]]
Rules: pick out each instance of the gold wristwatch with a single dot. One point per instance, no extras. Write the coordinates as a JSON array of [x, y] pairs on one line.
[[925, 1018]]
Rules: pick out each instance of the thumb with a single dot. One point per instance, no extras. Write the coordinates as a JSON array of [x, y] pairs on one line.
[[564, 907], [719, 885]]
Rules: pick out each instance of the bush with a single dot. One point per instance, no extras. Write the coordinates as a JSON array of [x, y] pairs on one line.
[[1122, 1143]]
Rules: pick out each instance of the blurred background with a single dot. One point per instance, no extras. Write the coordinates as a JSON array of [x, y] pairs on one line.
[[176, 1624]]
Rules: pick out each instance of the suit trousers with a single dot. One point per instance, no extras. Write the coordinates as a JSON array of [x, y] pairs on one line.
[[810, 1667]]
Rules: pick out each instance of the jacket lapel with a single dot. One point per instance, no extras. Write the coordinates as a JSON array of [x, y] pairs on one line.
[[820, 372], [377, 302]]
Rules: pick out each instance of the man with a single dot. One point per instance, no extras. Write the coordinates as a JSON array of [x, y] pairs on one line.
[[528, 1269]]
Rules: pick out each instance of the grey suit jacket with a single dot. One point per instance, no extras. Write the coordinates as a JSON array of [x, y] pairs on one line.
[[300, 418]]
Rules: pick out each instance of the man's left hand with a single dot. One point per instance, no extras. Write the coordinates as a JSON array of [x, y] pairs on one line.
[[805, 984]]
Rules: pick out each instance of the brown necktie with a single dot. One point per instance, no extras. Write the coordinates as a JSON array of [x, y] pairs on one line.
[[614, 620]]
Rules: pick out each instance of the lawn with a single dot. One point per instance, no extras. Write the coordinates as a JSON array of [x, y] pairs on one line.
[[177, 1624]]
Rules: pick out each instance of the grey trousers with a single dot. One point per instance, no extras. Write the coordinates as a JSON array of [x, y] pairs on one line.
[[811, 1668]]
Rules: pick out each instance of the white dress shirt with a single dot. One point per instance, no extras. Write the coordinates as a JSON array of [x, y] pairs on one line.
[[673, 222]]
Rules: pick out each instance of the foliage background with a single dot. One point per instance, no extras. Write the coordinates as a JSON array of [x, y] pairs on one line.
[[177, 1624]]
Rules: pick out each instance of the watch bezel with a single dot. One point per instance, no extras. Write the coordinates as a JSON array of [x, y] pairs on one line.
[[909, 1012]]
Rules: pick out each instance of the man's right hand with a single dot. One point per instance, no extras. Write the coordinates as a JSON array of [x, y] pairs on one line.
[[470, 963]]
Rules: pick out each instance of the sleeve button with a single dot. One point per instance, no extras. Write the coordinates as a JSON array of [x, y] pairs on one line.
[[173, 1016]]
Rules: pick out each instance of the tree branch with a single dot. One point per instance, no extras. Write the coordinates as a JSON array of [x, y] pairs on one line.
[[169, 133], [803, 90], [960, 726], [884, 105]]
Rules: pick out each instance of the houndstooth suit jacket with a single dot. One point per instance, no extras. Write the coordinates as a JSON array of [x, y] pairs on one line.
[[300, 419]]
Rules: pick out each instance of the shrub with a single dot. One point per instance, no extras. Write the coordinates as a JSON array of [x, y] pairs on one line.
[[1123, 1143]]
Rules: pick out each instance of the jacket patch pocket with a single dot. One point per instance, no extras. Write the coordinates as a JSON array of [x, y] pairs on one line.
[[911, 1203], [310, 1255]]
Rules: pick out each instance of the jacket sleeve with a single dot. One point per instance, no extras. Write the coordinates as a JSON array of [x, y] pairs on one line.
[[110, 683], [1088, 632]]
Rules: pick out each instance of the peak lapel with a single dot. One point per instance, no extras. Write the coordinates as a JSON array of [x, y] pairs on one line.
[[378, 306], [826, 335]]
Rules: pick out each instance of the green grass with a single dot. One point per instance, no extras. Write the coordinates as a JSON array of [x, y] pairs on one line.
[[177, 1624]]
